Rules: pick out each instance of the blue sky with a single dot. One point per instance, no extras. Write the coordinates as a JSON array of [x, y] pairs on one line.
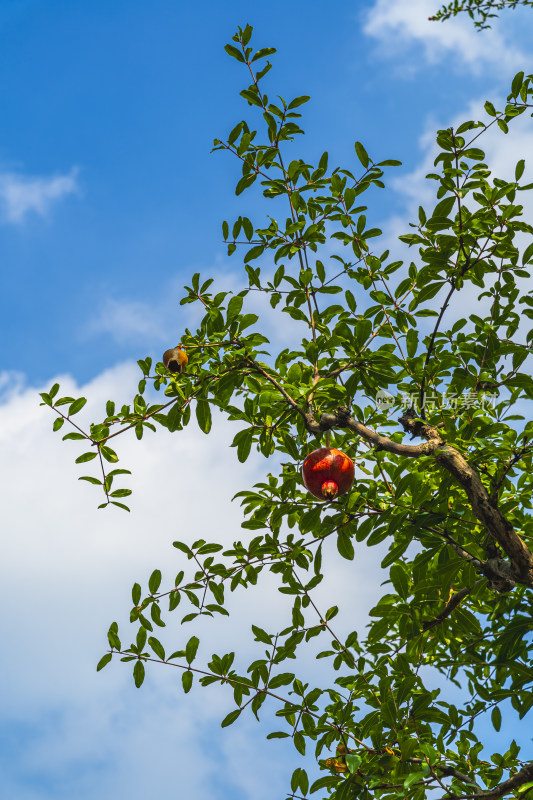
[[109, 201], [122, 101]]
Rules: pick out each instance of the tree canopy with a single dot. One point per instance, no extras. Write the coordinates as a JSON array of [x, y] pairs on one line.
[[419, 371]]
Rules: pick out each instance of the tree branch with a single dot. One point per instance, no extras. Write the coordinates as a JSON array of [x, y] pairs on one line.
[[450, 606], [278, 386], [453, 462], [518, 779], [451, 772], [342, 419], [485, 510]]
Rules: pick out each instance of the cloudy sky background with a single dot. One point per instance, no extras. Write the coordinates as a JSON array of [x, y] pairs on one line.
[[109, 201]]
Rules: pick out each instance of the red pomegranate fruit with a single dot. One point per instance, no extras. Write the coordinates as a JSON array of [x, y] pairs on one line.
[[327, 473]]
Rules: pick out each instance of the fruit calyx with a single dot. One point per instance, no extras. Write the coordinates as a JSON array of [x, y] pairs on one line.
[[330, 490]]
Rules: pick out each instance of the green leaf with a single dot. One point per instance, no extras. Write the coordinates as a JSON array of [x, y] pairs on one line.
[[400, 580], [136, 594], [263, 52], [496, 718], [243, 443], [412, 342], [412, 778], [155, 581], [174, 417], [138, 673], [234, 53], [191, 648], [298, 101], [254, 252], [157, 647], [429, 291], [362, 155], [299, 742], [186, 680], [245, 183], [300, 780], [234, 307], [246, 34], [76, 406], [233, 136], [502, 125], [85, 457], [108, 454], [395, 554], [350, 299], [252, 96], [517, 83], [103, 661], [141, 638], [443, 208], [203, 415], [155, 613], [345, 546], [230, 719], [120, 493], [174, 600], [209, 548], [183, 547], [120, 505], [112, 637], [261, 635], [528, 254], [353, 762], [283, 679]]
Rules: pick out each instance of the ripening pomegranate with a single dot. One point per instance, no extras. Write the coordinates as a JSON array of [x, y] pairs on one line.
[[328, 472], [175, 359]]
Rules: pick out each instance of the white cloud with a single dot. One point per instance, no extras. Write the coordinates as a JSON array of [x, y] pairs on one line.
[[397, 24], [66, 573], [127, 320], [20, 194]]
